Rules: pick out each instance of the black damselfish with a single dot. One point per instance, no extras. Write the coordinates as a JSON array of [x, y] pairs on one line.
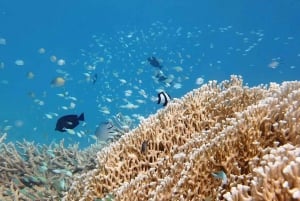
[[154, 62], [163, 97], [94, 79], [68, 122]]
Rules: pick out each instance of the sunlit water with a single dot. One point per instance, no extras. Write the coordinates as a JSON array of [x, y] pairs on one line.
[[106, 72]]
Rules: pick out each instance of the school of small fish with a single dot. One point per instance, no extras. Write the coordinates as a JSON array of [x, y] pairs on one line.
[[127, 73]]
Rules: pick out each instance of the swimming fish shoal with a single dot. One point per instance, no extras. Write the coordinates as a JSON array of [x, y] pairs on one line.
[[68, 122], [154, 62], [163, 97]]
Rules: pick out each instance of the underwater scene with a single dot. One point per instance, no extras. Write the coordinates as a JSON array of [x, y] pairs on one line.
[[101, 100]]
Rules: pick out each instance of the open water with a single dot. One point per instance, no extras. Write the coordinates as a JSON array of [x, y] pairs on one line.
[[51, 53]]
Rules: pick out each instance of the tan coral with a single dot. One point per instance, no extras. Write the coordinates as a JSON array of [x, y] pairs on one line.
[[219, 127], [277, 177]]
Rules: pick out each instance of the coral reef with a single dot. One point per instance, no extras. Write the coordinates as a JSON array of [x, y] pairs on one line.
[[35, 172], [247, 137], [274, 177], [38, 172], [219, 142]]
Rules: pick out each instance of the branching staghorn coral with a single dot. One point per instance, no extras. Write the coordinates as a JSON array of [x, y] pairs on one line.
[[30, 171], [274, 177], [174, 154], [121, 125]]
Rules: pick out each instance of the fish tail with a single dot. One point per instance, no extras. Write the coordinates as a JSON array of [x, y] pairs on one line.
[[81, 117]]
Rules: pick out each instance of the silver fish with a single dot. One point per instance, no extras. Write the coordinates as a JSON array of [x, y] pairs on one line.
[[104, 130]]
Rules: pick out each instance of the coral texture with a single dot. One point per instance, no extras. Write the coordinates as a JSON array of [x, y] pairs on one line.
[[276, 177], [31, 171], [34, 172], [249, 134]]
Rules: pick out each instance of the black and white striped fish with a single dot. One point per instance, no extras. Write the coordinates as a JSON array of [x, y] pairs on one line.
[[163, 97]]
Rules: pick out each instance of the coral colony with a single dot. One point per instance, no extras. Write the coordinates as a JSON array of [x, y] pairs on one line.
[[222, 141]]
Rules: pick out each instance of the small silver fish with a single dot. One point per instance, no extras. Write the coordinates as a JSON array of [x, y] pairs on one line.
[[104, 130]]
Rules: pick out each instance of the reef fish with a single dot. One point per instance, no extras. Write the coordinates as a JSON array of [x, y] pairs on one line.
[[94, 79], [144, 147], [68, 122], [163, 97], [104, 130], [58, 82], [154, 62]]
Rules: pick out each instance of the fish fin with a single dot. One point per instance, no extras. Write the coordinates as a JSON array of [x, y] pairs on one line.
[[169, 96], [159, 98], [165, 104], [81, 117]]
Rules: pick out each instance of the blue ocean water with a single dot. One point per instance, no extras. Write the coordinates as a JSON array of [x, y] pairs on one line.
[[194, 40]]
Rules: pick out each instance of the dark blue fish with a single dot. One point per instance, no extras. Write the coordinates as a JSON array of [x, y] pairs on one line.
[[68, 122], [163, 97], [160, 76], [94, 79], [154, 62]]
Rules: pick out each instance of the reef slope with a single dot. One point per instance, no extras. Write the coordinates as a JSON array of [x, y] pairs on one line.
[[247, 136]]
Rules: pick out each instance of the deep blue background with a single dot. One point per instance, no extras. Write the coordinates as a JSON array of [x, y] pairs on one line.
[[66, 29]]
